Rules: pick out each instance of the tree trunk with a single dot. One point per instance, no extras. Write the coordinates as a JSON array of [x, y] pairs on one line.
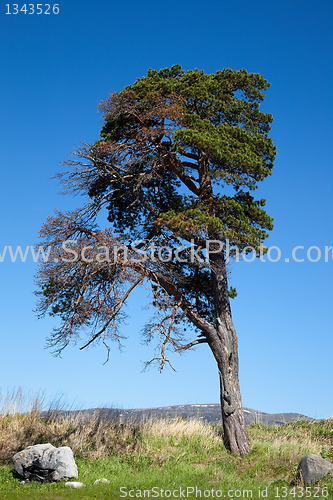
[[225, 349]]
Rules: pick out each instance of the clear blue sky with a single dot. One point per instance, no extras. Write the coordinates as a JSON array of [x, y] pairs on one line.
[[54, 70]]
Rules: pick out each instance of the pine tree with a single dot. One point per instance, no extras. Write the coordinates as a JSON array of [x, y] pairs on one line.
[[179, 154]]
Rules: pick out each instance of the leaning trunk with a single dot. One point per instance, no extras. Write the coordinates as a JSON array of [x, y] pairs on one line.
[[225, 349]]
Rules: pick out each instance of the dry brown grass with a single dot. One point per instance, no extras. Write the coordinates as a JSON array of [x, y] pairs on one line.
[[178, 428], [94, 436], [21, 426]]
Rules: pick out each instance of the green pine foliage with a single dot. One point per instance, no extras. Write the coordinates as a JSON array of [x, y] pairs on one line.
[[217, 115]]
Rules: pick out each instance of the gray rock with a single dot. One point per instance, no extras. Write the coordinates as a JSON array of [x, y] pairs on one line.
[[312, 468], [74, 484], [45, 462], [102, 480]]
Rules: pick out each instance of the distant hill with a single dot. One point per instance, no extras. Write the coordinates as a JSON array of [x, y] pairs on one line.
[[210, 413]]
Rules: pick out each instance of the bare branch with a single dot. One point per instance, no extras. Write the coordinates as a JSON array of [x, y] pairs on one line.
[[161, 361], [191, 344], [121, 302]]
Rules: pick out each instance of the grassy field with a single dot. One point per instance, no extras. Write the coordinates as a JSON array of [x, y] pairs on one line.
[[160, 458]]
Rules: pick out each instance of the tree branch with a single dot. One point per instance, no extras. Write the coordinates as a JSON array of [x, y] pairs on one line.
[[188, 155], [191, 344], [120, 304], [186, 179], [186, 306]]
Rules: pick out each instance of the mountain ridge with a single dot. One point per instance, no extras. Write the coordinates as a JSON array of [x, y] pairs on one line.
[[210, 413]]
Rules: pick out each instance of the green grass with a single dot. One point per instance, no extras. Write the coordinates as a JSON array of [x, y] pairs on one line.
[[165, 455]]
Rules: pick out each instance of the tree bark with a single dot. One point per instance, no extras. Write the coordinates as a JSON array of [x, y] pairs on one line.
[[224, 346], [223, 341]]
